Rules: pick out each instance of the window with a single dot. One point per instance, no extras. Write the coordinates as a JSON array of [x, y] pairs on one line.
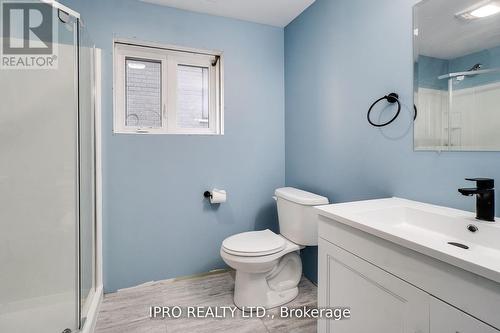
[[162, 90]]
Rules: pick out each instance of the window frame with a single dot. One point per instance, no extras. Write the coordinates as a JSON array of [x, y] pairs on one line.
[[170, 58], [119, 88]]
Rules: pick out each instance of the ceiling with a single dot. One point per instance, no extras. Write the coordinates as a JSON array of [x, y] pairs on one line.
[[442, 35], [272, 12]]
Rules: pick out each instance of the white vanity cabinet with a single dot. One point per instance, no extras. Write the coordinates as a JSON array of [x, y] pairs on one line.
[[446, 319], [379, 301], [390, 286]]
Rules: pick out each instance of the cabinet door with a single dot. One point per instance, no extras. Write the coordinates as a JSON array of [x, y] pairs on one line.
[[379, 301], [447, 319]]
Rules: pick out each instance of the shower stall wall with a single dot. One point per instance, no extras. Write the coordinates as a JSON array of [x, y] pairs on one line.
[[48, 253]]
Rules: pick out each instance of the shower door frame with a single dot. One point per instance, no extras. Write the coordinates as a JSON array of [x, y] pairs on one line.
[[88, 325], [91, 317]]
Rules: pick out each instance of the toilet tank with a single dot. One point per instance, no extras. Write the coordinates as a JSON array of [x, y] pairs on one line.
[[297, 219]]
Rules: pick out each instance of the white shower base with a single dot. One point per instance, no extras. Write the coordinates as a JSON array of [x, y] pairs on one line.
[[51, 314]]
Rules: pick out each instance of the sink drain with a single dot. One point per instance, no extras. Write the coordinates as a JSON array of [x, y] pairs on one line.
[[465, 247], [472, 228]]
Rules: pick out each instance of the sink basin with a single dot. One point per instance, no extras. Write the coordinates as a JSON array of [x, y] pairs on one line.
[[442, 233]]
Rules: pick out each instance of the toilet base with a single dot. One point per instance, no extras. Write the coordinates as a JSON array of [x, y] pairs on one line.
[[269, 289], [278, 298], [252, 290]]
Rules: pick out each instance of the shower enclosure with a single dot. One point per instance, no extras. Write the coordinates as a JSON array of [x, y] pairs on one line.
[[476, 90], [462, 114], [47, 171]]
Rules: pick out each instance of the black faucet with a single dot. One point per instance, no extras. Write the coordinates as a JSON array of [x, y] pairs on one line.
[[485, 198]]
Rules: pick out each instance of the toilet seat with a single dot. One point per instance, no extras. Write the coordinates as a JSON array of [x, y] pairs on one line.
[[254, 243], [268, 266]]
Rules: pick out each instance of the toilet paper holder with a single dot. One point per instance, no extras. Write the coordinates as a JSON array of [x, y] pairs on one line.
[[216, 196]]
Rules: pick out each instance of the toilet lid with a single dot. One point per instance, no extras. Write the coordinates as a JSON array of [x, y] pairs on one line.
[[254, 243]]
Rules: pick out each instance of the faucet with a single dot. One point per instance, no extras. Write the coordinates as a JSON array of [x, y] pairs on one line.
[[485, 197]]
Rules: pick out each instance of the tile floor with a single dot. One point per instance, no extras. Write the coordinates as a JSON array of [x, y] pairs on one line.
[[128, 310]]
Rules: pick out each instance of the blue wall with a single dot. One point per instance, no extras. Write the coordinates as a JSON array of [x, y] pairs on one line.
[[428, 71], [156, 223], [339, 57], [337, 61]]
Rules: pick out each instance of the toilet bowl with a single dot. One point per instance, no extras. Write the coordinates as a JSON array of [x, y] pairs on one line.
[[268, 266], [268, 273]]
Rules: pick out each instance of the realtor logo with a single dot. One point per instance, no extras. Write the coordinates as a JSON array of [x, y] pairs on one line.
[[28, 32]]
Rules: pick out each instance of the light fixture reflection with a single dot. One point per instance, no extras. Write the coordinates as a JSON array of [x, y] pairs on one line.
[[480, 11], [486, 11]]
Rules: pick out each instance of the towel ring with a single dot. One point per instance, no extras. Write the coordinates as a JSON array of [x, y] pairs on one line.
[[391, 98]]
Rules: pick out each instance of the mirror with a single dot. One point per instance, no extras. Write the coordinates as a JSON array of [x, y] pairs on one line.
[[457, 75]]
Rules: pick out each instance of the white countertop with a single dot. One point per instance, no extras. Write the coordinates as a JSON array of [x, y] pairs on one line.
[[426, 229]]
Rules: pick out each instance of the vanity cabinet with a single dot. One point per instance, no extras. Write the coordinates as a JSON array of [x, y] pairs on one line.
[[392, 290], [446, 319], [379, 301]]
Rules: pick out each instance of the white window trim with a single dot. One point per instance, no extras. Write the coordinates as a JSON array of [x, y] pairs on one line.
[[170, 57], [121, 53]]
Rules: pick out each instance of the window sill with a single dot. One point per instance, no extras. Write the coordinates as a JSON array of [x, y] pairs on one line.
[[149, 132]]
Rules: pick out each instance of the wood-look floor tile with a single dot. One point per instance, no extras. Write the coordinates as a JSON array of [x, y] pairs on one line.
[[127, 311], [292, 325], [138, 326], [216, 325]]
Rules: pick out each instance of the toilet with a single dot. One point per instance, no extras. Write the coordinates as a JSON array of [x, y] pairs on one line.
[[268, 266]]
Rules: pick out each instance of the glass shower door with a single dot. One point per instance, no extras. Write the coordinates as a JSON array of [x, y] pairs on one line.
[[473, 121], [39, 191], [87, 171]]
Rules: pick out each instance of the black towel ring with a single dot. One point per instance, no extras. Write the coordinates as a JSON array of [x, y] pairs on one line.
[[391, 98]]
